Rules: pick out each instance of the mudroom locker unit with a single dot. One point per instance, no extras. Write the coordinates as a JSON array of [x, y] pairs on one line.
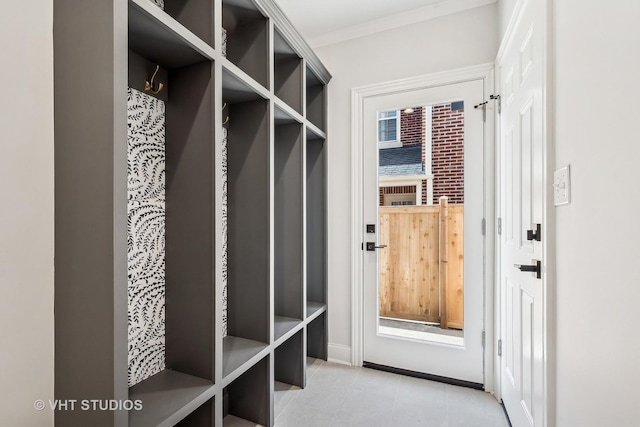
[[190, 210]]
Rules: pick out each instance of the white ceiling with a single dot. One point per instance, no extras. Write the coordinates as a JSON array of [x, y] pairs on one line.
[[323, 22]]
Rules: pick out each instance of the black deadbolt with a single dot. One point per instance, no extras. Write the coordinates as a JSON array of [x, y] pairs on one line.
[[535, 234]]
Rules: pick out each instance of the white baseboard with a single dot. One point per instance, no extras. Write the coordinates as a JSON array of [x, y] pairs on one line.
[[339, 353]]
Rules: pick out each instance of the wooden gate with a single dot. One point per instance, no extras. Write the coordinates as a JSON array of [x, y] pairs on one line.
[[421, 278]]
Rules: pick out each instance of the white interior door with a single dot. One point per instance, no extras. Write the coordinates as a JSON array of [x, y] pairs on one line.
[[521, 77], [460, 358]]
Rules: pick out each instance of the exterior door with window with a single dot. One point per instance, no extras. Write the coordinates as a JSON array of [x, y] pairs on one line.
[[424, 202]]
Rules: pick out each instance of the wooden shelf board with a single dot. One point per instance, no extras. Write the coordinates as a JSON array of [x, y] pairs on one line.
[[168, 397], [237, 86], [242, 4], [315, 309], [284, 327], [237, 355], [233, 421], [284, 114], [314, 132], [160, 38]]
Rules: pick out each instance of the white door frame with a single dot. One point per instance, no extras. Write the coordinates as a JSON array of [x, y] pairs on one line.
[[548, 210], [358, 96]]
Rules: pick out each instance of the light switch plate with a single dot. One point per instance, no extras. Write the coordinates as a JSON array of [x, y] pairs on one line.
[[561, 186]]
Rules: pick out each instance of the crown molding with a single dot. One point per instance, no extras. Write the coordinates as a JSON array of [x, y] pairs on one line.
[[432, 11], [283, 24]]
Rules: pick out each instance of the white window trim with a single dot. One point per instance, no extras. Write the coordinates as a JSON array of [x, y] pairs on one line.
[[428, 135], [389, 144]]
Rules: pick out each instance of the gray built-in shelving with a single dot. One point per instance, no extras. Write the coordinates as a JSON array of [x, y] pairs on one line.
[[273, 90]]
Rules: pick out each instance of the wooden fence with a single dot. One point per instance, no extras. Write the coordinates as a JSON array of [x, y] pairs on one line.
[[421, 269]]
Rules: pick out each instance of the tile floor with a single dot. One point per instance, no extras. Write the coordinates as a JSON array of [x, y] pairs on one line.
[[340, 396]]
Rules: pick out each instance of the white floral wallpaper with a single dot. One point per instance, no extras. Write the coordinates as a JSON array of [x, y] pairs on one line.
[[145, 234], [224, 232]]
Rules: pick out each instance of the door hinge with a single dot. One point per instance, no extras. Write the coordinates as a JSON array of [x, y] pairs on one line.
[[499, 226], [484, 336], [484, 227], [497, 98], [499, 347]]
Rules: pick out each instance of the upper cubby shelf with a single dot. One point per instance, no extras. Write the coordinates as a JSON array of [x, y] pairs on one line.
[[287, 73], [314, 133], [282, 116], [315, 99], [160, 38], [247, 41], [235, 89]]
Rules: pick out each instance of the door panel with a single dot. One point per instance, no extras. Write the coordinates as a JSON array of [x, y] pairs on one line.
[[521, 187], [417, 257]]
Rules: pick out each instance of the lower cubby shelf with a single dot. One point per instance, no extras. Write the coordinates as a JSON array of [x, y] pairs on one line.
[[289, 361], [233, 421], [284, 327], [314, 309], [249, 397], [317, 336], [237, 355], [167, 398]]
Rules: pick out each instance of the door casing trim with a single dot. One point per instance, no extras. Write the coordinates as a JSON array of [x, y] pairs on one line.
[[483, 72]]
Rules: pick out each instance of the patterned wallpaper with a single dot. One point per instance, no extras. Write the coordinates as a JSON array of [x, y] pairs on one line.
[[145, 234], [159, 3], [224, 232]]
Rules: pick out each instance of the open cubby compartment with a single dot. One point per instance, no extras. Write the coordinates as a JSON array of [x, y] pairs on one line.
[[247, 42], [289, 361], [287, 73], [247, 118], [288, 226], [187, 380], [169, 397], [316, 216], [317, 337], [163, 40], [315, 99], [203, 416], [249, 398], [196, 15]]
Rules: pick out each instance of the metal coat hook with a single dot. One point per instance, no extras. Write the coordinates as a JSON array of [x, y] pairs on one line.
[[149, 86], [226, 120]]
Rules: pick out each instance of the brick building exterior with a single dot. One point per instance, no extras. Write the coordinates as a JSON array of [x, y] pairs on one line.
[[447, 153], [447, 150]]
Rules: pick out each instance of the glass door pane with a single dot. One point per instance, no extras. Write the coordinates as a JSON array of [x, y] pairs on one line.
[[421, 212]]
